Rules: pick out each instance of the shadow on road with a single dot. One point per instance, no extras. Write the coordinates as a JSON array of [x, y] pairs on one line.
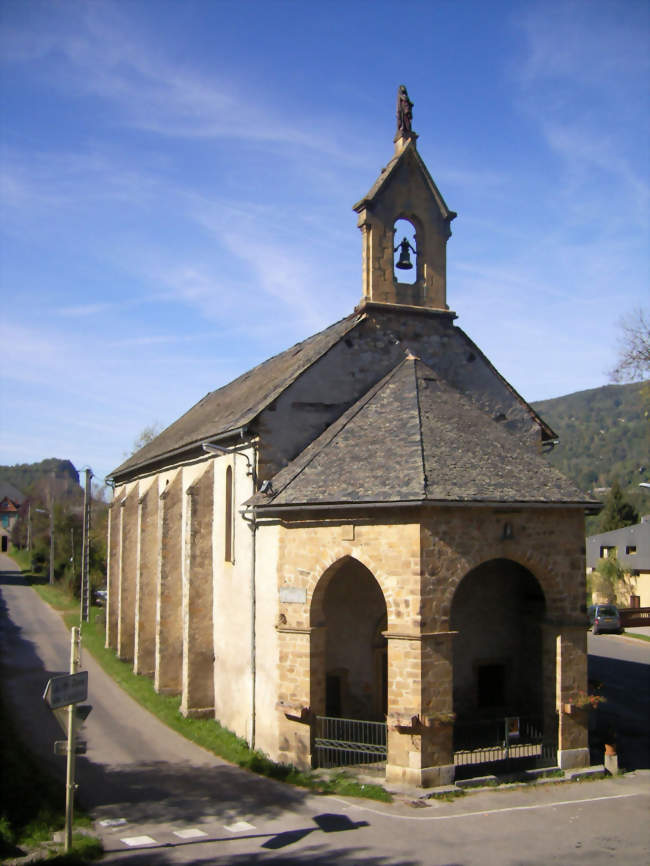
[[626, 687]]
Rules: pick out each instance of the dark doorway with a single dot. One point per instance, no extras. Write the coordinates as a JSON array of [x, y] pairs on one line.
[[498, 610], [491, 686]]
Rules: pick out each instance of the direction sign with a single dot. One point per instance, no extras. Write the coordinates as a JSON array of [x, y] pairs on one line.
[[65, 690], [61, 747], [79, 716]]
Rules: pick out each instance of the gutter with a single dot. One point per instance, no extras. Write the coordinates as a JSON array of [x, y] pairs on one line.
[[590, 507]]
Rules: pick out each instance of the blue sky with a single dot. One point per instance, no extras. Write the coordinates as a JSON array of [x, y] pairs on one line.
[[177, 181]]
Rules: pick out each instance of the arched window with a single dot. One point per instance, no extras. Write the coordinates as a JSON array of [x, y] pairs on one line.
[[228, 527], [404, 253]]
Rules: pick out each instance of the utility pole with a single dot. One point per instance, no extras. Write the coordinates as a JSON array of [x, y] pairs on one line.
[[85, 551], [29, 527], [75, 653], [51, 541]]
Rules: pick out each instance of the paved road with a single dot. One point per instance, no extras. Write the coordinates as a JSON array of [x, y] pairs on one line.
[[167, 801]]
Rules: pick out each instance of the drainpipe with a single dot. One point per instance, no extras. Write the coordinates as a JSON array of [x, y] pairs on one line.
[[212, 448]]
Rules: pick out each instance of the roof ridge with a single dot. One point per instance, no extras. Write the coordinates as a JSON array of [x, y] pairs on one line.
[[425, 480]]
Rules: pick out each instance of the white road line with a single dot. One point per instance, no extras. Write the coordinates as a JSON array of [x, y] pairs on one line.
[[239, 826], [134, 841], [113, 822], [484, 812], [190, 833]]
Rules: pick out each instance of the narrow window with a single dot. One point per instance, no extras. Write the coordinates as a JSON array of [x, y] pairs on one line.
[[228, 516], [630, 549]]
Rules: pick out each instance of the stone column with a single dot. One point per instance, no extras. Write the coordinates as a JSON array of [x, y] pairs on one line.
[[147, 582], [571, 684], [198, 636], [114, 545], [169, 601], [420, 705], [129, 553], [295, 646]]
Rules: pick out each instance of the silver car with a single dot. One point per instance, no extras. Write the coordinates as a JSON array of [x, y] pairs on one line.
[[604, 617]]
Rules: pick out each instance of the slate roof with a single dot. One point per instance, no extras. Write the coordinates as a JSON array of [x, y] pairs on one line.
[[236, 404], [412, 437], [8, 491]]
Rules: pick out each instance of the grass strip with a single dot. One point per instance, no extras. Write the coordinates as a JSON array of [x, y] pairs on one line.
[[637, 635]]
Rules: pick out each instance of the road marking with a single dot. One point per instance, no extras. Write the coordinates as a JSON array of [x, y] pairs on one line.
[[134, 841], [190, 833], [484, 812], [239, 826], [113, 822]]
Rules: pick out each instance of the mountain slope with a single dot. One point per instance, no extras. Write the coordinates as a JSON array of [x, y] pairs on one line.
[[604, 435]]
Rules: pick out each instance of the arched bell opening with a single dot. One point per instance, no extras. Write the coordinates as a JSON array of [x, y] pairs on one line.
[[349, 673], [497, 611], [405, 252]]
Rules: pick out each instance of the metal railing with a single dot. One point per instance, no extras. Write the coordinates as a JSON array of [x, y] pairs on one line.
[[506, 739], [346, 742]]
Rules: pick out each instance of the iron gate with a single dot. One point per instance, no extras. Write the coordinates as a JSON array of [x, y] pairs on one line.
[[346, 742], [506, 743]]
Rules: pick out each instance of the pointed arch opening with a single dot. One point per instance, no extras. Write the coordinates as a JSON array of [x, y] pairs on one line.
[[349, 672], [497, 611], [405, 252]]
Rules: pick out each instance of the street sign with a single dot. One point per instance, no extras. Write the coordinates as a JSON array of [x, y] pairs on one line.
[[61, 747], [65, 690], [79, 716]]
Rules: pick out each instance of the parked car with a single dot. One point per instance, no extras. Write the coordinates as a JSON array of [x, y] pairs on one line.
[[604, 617], [100, 597]]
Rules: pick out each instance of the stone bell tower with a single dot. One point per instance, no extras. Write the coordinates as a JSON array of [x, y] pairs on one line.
[[405, 191]]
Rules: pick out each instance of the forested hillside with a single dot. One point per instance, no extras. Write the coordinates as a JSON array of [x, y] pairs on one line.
[[604, 435], [25, 476]]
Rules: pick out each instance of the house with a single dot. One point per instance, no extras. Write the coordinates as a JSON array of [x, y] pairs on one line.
[[363, 527], [631, 547], [10, 501]]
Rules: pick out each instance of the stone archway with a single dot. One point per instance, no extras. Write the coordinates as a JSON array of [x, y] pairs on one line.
[[498, 611], [348, 658]]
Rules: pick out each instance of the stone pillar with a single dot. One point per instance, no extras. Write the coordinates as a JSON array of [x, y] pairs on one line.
[[128, 571], [571, 685], [295, 647], [198, 636], [169, 601], [114, 545], [420, 709], [147, 582]]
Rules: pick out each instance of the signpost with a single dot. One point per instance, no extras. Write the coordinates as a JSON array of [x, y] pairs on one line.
[[65, 690], [63, 695]]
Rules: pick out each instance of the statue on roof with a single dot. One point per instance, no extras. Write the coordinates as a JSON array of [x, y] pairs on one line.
[[404, 112]]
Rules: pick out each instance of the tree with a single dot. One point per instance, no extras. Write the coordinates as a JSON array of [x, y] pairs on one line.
[[618, 512], [610, 580], [145, 436], [634, 348]]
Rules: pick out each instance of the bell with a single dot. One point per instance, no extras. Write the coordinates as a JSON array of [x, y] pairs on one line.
[[404, 263]]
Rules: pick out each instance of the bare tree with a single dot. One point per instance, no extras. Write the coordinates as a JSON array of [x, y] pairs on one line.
[[634, 348]]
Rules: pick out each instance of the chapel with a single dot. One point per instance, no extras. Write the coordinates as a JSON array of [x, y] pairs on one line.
[[357, 552]]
